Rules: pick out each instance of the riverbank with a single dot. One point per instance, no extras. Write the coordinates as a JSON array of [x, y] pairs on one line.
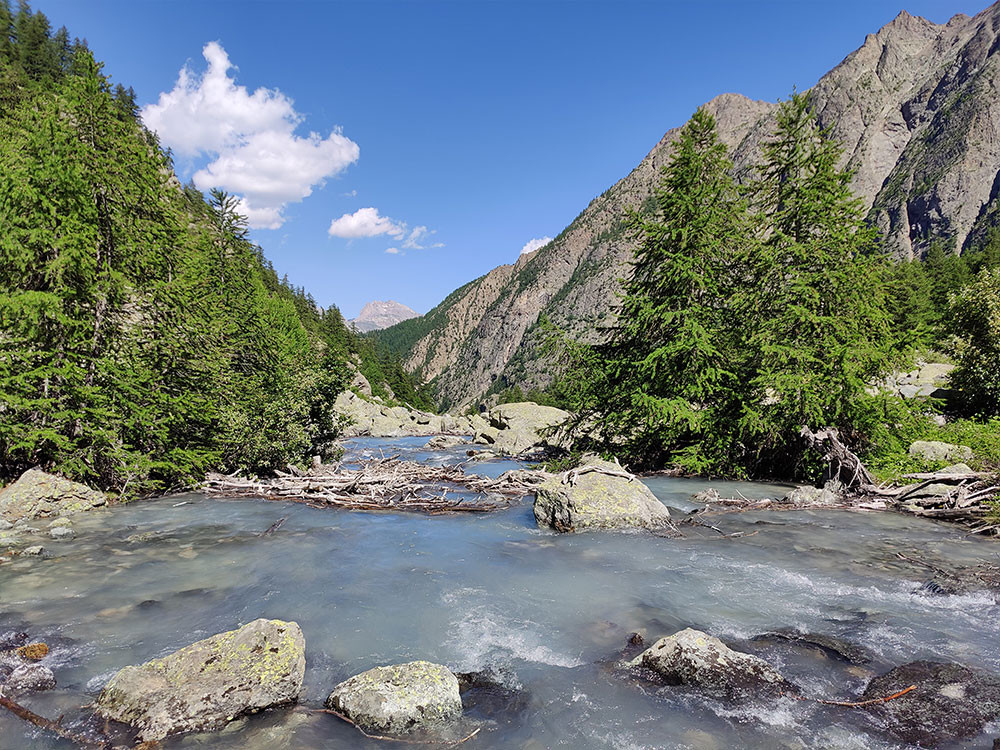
[[497, 592]]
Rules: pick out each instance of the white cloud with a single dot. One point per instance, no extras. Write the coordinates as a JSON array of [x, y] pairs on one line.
[[250, 138], [365, 222], [531, 245]]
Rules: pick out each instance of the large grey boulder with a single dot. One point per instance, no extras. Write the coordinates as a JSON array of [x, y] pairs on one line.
[[691, 657], [207, 684], [831, 493], [517, 428], [398, 698], [39, 495], [934, 450], [949, 703], [597, 495]]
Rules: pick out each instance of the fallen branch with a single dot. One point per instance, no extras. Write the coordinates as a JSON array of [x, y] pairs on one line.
[[50, 726], [853, 704], [385, 484], [872, 702]]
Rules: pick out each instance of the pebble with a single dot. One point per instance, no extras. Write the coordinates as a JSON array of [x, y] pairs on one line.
[[62, 532], [35, 550]]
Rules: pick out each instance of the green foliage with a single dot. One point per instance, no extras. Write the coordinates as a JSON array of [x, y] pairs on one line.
[[975, 323], [143, 338], [741, 324]]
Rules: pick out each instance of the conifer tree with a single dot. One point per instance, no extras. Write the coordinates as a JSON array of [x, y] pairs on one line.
[[815, 302], [669, 361]]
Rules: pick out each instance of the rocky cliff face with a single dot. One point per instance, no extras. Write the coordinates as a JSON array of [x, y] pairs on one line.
[[917, 108], [377, 315]]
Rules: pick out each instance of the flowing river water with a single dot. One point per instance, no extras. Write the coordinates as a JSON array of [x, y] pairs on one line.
[[493, 591]]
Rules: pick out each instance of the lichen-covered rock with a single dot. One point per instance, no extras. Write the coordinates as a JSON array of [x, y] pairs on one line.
[[600, 496], [831, 493], [40, 495], [30, 678], [205, 685], [32, 651], [517, 428], [398, 698], [691, 657], [950, 702], [934, 450]]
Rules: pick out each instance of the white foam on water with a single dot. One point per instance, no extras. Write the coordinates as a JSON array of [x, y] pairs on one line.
[[482, 635]]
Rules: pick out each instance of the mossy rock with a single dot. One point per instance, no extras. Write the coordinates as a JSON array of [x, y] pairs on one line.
[[207, 684], [39, 495], [597, 500], [399, 698]]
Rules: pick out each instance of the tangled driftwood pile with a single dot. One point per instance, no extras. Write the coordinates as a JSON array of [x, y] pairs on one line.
[[384, 484]]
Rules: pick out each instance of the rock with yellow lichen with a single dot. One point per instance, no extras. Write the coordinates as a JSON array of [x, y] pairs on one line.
[[207, 684], [399, 698], [597, 495], [39, 495]]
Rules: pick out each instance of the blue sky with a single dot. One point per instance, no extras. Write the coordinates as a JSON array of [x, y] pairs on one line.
[[467, 128]]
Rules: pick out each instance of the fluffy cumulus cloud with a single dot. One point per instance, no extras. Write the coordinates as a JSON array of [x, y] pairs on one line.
[[531, 245], [365, 222], [368, 222], [249, 137]]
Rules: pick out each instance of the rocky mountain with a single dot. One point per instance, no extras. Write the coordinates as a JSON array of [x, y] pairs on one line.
[[377, 315], [917, 109]]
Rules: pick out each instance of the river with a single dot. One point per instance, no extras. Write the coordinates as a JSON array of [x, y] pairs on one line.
[[493, 591]]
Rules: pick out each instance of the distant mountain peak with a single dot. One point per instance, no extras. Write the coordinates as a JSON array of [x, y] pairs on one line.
[[377, 314]]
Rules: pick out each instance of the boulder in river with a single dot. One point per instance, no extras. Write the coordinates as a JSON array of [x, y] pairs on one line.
[[398, 698], [691, 657], [207, 684], [597, 495], [39, 495], [30, 678], [950, 702], [517, 428]]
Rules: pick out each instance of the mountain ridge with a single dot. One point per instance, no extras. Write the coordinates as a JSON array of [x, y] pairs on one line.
[[917, 109]]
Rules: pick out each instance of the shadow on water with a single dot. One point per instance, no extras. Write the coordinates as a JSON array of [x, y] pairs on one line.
[[495, 593]]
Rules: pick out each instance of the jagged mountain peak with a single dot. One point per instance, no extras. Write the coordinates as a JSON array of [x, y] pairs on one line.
[[917, 110], [379, 314]]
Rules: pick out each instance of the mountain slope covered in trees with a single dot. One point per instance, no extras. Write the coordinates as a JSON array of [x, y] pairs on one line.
[[915, 108], [143, 338]]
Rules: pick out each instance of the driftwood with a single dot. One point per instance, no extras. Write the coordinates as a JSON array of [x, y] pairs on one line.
[[48, 725], [385, 484], [842, 463]]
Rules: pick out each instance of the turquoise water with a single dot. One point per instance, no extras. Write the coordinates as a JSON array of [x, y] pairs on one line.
[[494, 591]]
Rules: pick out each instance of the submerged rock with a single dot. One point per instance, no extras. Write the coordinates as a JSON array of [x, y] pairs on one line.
[[494, 695], [207, 684], [598, 495], [30, 678], [445, 441], [691, 657], [398, 698], [40, 495], [829, 645], [950, 702]]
